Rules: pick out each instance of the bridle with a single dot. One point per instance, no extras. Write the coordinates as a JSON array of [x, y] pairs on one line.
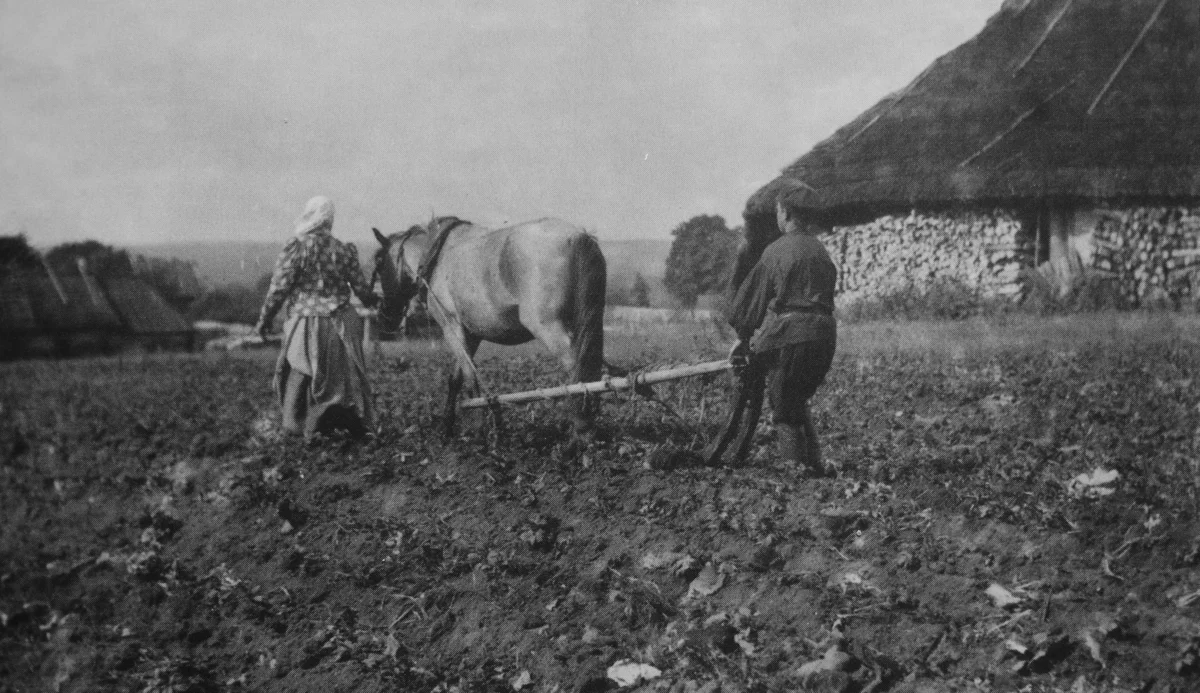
[[404, 270]]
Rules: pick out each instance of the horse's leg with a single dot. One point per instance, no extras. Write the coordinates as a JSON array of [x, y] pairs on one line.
[[554, 335], [712, 456], [755, 391], [496, 415], [463, 347], [475, 388], [450, 414]]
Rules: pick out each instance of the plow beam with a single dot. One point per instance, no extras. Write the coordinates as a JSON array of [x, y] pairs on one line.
[[607, 385]]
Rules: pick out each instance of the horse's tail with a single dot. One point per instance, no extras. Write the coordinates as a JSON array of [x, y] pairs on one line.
[[589, 277]]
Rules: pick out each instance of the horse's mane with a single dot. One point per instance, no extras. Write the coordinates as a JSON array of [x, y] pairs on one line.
[[411, 231], [443, 224]]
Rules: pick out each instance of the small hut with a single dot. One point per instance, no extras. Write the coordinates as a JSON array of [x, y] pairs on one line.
[[1064, 136], [150, 322], [43, 313]]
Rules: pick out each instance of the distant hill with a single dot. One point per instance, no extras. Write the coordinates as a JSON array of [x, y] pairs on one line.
[[644, 256], [219, 264]]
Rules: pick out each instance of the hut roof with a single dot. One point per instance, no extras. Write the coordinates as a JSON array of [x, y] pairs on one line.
[[142, 310], [16, 310], [1067, 99], [30, 302]]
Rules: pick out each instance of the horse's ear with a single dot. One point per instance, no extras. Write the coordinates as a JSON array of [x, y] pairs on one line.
[[383, 241]]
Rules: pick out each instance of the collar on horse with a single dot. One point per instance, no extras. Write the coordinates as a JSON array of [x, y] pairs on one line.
[[440, 233]]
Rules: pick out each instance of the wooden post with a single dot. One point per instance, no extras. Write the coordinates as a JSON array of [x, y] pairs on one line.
[[1045, 35], [58, 287], [1121, 65], [1037, 239], [368, 330], [1063, 259]]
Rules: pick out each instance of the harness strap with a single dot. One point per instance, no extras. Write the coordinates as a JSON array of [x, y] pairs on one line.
[[440, 234]]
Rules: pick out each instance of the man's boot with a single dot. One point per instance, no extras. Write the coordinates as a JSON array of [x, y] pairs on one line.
[[790, 444], [796, 451]]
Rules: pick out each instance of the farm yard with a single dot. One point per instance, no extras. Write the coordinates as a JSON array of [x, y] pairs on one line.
[[1015, 509], [1011, 497]]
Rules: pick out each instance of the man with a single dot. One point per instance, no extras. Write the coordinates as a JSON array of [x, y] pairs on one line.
[[783, 316]]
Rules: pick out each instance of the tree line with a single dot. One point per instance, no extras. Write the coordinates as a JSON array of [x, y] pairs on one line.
[[699, 263]]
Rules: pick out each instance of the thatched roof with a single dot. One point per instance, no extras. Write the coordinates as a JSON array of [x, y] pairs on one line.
[[31, 303], [142, 310], [1058, 99]]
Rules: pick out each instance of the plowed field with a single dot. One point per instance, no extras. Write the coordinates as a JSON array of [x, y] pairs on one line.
[[1015, 509]]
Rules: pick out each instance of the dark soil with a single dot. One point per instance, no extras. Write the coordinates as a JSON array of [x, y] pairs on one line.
[[158, 536]]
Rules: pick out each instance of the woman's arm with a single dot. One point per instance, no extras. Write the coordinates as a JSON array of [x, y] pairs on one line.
[[352, 272], [283, 280]]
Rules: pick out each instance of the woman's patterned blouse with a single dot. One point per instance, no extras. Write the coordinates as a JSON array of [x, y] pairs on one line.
[[314, 275]]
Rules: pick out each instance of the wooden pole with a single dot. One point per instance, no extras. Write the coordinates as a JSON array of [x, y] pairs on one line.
[[1121, 65], [608, 385], [1045, 35], [1016, 123], [58, 288], [899, 97]]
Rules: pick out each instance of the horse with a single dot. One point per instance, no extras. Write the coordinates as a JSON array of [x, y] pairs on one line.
[[543, 280]]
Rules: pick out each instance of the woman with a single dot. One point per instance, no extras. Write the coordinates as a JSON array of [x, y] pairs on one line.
[[321, 375]]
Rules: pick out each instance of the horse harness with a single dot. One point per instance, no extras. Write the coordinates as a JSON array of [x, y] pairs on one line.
[[424, 273], [429, 262]]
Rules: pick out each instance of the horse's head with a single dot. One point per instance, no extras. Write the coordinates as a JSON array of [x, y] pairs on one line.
[[396, 277]]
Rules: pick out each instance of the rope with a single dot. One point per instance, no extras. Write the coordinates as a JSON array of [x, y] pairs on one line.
[[635, 375]]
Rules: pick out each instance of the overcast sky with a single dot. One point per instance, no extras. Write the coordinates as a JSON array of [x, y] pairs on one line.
[[155, 121]]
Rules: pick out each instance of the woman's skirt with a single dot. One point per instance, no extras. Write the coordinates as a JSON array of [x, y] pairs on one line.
[[321, 375]]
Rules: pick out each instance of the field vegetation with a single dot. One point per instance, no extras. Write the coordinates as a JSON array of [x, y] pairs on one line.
[[1015, 509]]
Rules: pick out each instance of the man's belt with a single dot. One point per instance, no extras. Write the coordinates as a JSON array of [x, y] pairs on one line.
[[805, 310]]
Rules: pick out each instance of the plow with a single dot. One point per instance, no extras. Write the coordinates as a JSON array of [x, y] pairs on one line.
[[617, 384], [747, 398]]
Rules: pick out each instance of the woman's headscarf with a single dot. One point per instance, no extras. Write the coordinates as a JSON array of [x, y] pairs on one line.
[[318, 213]]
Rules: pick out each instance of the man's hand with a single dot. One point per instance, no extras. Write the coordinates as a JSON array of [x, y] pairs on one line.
[[739, 352]]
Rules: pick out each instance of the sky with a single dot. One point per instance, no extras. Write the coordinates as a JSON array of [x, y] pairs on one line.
[[138, 122]]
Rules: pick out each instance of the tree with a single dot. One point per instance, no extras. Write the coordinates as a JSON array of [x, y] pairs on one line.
[[639, 293], [700, 258]]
